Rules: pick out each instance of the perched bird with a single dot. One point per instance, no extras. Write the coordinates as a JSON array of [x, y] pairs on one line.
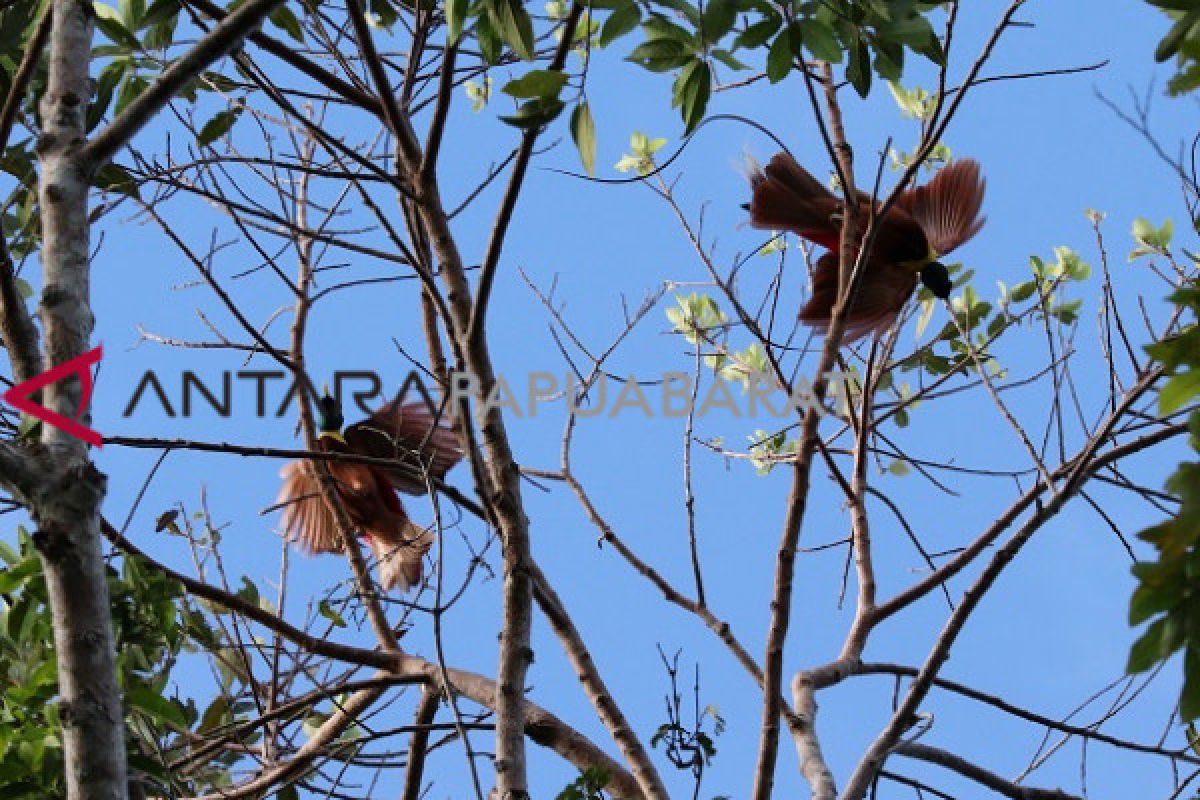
[[923, 225], [410, 433]]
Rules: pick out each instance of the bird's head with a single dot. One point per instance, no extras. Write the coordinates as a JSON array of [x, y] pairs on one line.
[[329, 413], [936, 279]]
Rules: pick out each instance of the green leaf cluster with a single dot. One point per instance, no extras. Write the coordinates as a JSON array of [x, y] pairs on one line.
[[1168, 592], [154, 629], [640, 157], [869, 37], [766, 447], [1033, 300], [697, 318], [151, 629], [1181, 43], [1151, 240], [588, 786]]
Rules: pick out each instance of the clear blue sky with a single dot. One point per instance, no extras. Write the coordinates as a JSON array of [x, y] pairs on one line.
[[1052, 633]]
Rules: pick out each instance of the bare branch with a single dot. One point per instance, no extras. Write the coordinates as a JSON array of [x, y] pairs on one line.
[[978, 774]]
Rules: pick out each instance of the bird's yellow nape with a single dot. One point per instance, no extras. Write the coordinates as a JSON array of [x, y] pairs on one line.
[[919, 264], [337, 437]]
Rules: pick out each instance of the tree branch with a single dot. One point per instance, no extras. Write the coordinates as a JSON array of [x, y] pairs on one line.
[[983, 777], [491, 258], [540, 725], [222, 39], [25, 71]]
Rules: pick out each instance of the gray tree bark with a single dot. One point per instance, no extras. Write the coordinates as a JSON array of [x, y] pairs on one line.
[[65, 504]]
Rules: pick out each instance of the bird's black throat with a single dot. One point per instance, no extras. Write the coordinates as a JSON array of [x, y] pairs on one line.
[[936, 279]]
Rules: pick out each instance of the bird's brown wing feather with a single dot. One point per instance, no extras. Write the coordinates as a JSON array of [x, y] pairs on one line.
[[947, 208], [401, 560], [412, 433], [307, 520], [881, 295], [399, 545], [786, 197]]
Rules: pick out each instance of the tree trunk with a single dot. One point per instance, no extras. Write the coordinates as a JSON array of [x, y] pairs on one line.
[[66, 504]]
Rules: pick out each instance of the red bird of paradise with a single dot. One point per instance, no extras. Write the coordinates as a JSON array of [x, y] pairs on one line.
[[923, 225], [411, 433]]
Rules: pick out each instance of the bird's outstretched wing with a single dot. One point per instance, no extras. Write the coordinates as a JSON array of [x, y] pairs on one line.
[[786, 197], [426, 445], [947, 208], [307, 520]]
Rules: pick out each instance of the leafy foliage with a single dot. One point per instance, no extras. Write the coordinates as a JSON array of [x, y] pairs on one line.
[[692, 41], [151, 632], [588, 786], [155, 630], [1182, 42], [1168, 592], [870, 37]]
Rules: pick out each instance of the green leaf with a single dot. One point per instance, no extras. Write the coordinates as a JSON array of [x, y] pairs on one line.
[[619, 23], [160, 37], [328, 612], [456, 14], [490, 45], [1023, 291], [283, 18], [159, 12], [583, 131], [113, 23], [685, 8], [131, 12], [758, 34], [914, 103], [514, 26], [1170, 43], [536, 83], [858, 71], [779, 58], [1144, 653], [155, 706], [114, 178], [16, 577], [661, 55], [1152, 598], [726, 58], [1189, 698], [692, 90], [216, 715], [657, 26], [1150, 238], [535, 113], [1178, 392], [383, 14], [218, 126], [718, 19], [820, 40]]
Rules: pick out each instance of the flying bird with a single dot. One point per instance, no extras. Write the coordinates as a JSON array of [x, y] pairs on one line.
[[923, 225], [411, 433]]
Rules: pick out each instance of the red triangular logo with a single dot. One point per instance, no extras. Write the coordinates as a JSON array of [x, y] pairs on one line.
[[18, 396]]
